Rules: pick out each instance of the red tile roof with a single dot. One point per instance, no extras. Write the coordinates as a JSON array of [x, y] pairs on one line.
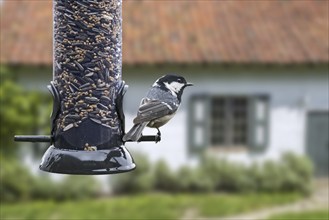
[[185, 31]]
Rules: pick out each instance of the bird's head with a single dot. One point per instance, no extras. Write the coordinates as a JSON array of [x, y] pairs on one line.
[[174, 83]]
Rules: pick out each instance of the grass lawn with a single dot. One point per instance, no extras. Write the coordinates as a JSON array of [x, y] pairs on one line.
[[312, 215], [148, 206]]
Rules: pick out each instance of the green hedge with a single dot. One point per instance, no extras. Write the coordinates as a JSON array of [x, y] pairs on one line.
[[18, 184], [27, 112], [21, 112], [291, 174], [137, 181]]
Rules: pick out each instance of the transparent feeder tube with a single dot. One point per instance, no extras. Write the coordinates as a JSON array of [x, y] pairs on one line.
[[87, 69], [87, 119]]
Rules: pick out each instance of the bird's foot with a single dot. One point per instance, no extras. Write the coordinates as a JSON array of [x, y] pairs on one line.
[[158, 136]]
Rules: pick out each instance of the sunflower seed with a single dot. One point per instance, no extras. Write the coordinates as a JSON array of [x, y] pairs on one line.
[[68, 127], [86, 50], [102, 107], [91, 100]]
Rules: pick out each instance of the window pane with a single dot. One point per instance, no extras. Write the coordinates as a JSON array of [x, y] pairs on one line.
[[199, 110], [239, 111], [260, 110], [229, 121], [218, 121], [260, 135], [198, 136]]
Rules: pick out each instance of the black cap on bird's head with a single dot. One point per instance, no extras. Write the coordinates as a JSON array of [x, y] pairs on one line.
[[174, 83]]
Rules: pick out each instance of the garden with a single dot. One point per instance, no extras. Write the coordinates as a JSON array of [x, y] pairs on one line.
[[216, 188]]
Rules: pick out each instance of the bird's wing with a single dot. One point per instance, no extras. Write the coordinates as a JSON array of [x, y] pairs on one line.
[[152, 109]]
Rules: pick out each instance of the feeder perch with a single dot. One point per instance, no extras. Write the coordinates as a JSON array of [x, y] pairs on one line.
[[87, 121]]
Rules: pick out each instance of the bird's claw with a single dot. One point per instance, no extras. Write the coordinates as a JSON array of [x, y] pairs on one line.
[[157, 138]]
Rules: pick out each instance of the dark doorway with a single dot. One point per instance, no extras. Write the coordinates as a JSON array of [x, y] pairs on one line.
[[318, 141]]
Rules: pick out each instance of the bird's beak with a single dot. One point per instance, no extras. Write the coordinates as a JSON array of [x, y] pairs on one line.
[[189, 84]]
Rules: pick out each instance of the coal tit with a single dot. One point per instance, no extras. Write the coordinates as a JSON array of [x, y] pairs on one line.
[[159, 105]]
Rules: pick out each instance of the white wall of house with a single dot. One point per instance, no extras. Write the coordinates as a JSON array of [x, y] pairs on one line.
[[292, 92]]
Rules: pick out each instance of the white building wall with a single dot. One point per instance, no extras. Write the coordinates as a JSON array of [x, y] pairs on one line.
[[292, 93], [291, 96]]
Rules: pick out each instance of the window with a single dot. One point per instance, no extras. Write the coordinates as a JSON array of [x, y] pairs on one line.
[[228, 121]]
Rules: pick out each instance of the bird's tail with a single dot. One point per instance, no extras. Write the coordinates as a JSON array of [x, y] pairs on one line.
[[135, 132]]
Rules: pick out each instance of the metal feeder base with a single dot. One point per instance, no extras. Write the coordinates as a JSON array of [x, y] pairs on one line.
[[114, 160]]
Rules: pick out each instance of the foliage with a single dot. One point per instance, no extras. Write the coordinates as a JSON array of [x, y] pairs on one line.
[[15, 181], [311, 215], [17, 184], [299, 173], [19, 111], [186, 179], [228, 176], [146, 206], [44, 188], [164, 178], [193, 180], [291, 173], [137, 181], [271, 177], [77, 188]]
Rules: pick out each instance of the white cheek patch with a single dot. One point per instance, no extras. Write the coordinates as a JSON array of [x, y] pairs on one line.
[[174, 87]]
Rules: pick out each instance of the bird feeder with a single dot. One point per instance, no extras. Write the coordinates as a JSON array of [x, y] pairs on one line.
[[87, 122]]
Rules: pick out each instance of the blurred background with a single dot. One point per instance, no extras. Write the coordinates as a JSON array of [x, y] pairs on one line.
[[252, 134]]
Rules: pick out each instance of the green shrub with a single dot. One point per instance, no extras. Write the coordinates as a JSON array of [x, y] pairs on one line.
[[212, 167], [271, 178], [298, 173], [231, 177], [77, 188], [15, 181], [291, 174], [245, 180], [70, 188], [17, 184], [185, 179], [227, 176], [193, 180], [21, 112], [137, 181], [43, 188], [164, 178]]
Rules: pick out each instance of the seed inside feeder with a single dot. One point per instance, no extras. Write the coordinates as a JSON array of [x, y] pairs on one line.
[[88, 61]]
